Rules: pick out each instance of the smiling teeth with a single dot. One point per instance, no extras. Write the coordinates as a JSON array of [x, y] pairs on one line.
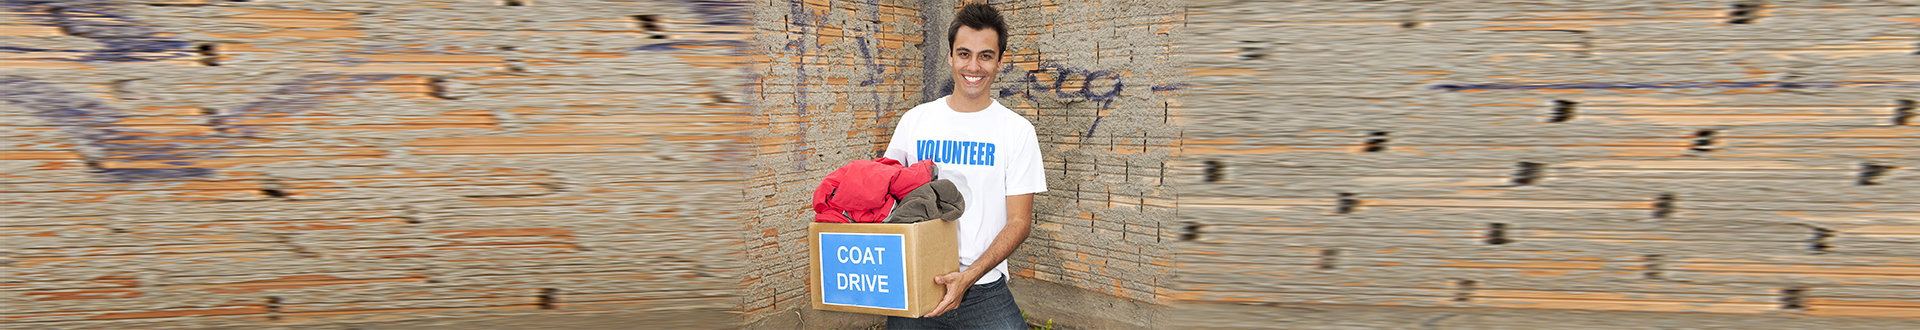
[[973, 79]]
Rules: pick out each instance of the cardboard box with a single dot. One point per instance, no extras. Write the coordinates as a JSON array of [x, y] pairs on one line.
[[881, 268]]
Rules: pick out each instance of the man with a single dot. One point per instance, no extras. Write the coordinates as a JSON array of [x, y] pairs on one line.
[[992, 155]]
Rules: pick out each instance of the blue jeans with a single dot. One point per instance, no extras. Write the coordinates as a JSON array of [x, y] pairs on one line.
[[986, 306]]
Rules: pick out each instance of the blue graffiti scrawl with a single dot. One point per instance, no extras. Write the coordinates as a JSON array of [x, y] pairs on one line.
[[1027, 85], [875, 70], [682, 45], [720, 12], [95, 125], [90, 121], [1030, 83], [295, 97], [122, 39], [713, 12]]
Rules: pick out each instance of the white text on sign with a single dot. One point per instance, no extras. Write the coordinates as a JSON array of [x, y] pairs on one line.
[[858, 255], [860, 282]]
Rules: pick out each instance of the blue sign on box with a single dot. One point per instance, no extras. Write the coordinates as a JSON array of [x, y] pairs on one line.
[[864, 270]]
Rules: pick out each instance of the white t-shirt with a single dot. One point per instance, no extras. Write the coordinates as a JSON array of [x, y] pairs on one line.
[[988, 154]]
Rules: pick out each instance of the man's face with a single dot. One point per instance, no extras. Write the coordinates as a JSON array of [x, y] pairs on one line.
[[975, 59]]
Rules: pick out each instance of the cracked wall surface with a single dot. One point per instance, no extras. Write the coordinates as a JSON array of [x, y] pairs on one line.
[[183, 163], [1731, 157]]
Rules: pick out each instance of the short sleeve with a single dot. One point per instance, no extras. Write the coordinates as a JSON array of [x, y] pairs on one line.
[[900, 146], [1025, 173]]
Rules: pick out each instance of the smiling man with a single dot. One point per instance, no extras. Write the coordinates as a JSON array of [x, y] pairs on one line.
[[991, 154]]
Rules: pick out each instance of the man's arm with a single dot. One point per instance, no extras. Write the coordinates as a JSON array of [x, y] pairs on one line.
[[1019, 224]]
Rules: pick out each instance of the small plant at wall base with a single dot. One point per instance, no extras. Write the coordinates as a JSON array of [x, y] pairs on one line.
[[1036, 326]]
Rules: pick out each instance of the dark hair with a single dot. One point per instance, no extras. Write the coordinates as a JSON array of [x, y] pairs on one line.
[[978, 16]]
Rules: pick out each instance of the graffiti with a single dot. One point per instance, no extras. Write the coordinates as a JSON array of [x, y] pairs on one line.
[[1678, 85], [720, 12], [1030, 83], [684, 45], [96, 126], [799, 20], [295, 97], [122, 39], [873, 76], [866, 52], [713, 12]]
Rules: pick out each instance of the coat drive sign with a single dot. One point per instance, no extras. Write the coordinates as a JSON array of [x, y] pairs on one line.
[[864, 270], [880, 268]]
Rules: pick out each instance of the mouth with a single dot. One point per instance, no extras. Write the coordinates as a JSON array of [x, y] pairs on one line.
[[972, 79]]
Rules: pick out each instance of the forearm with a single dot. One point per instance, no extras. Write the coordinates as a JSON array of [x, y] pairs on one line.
[[1019, 225]]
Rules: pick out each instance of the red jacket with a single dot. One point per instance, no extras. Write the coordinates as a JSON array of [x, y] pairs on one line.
[[864, 190]]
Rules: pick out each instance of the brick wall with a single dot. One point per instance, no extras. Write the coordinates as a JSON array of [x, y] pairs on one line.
[[1098, 80], [1360, 163], [235, 163], [1735, 157], [829, 78]]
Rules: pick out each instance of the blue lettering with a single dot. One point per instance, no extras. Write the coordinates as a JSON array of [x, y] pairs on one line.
[[973, 153], [924, 150], [956, 152], [966, 152], [990, 155], [980, 153]]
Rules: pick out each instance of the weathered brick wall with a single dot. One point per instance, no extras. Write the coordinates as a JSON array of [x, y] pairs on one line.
[[829, 78], [1097, 79], [1737, 157], [298, 163], [202, 163]]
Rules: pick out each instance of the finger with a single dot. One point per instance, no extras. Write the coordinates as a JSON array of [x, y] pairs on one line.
[[945, 304], [937, 309]]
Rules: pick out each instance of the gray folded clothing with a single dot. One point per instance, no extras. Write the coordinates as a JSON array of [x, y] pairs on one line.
[[939, 199]]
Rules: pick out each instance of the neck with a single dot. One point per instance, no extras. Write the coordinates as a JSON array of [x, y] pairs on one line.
[[964, 104]]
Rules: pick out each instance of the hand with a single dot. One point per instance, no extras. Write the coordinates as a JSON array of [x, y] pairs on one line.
[[957, 284]]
